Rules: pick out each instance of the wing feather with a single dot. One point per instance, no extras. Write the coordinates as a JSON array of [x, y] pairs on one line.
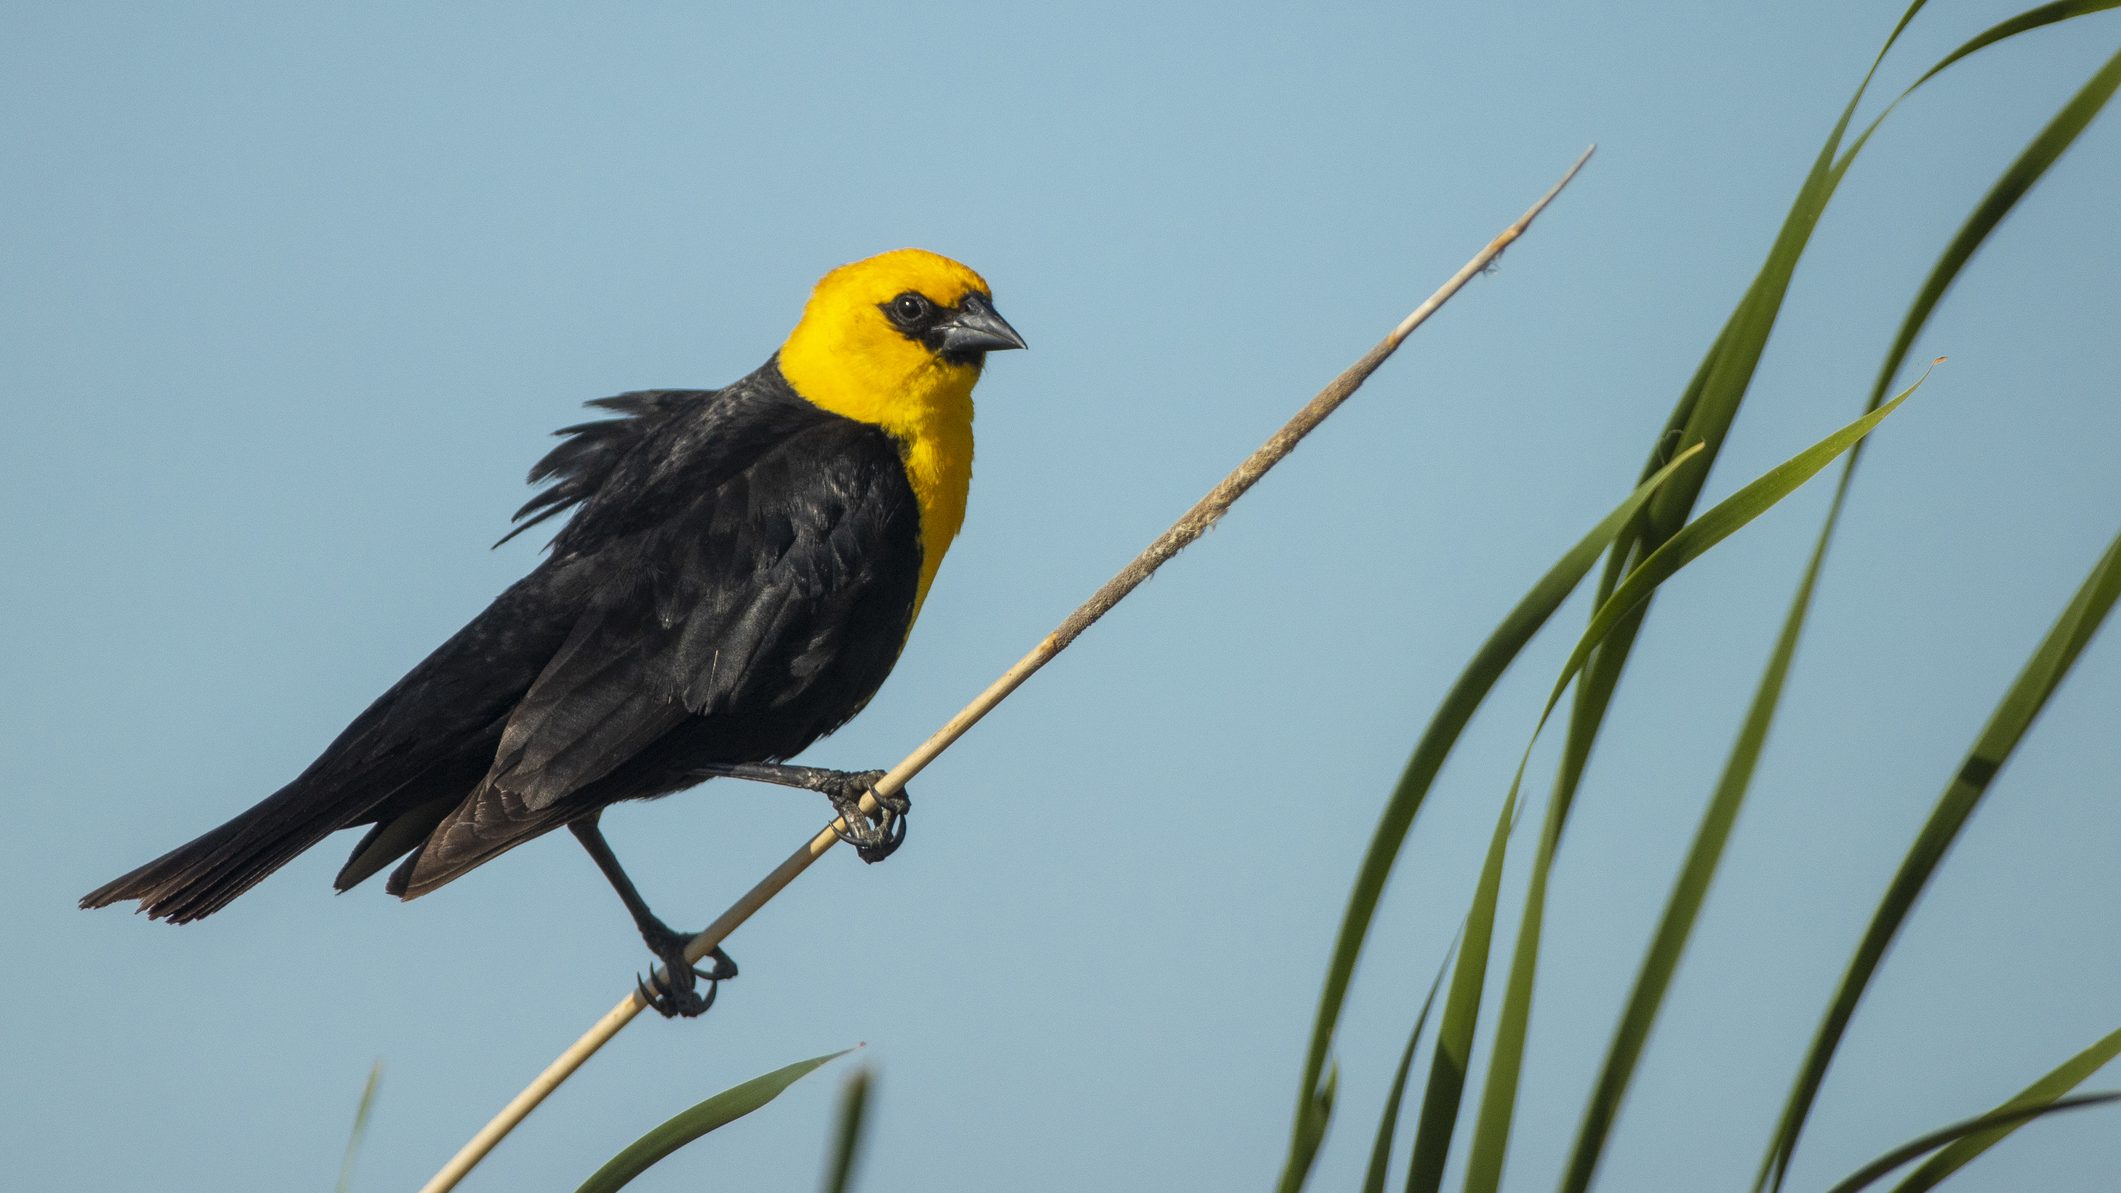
[[726, 610]]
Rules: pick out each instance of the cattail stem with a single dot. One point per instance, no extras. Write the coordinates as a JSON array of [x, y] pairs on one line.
[[1182, 533]]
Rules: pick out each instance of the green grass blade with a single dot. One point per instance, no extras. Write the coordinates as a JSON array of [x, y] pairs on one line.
[[687, 1125], [1705, 410], [847, 1133], [2031, 164], [2005, 729], [1704, 413], [1710, 402], [1461, 1015], [2010, 1119], [1373, 1180], [1437, 739], [2024, 22], [1498, 1099], [1723, 520], [1690, 890], [2017, 179], [360, 1125], [2058, 1081]]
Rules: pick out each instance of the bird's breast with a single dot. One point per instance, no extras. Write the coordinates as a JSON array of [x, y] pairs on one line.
[[938, 461]]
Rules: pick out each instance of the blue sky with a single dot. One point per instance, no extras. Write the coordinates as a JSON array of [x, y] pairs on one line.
[[292, 294]]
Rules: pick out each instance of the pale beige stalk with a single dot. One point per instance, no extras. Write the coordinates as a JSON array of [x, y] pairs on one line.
[[1182, 533]]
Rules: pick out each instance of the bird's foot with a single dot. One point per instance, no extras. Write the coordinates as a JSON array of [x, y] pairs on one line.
[[876, 835], [678, 995]]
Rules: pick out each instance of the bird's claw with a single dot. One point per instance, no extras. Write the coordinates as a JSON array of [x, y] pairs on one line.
[[877, 835], [680, 1002], [683, 999]]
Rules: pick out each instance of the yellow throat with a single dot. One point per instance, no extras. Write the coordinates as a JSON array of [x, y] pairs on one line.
[[845, 356]]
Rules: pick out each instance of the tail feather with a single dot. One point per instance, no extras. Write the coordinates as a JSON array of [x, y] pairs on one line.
[[487, 824], [391, 839], [199, 878]]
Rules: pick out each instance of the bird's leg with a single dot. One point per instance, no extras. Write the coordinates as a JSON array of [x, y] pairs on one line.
[[680, 995], [873, 840]]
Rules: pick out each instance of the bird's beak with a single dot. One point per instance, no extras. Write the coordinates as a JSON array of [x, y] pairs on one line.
[[975, 327]]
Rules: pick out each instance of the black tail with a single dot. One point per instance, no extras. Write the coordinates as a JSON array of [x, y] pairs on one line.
[[195, 880]]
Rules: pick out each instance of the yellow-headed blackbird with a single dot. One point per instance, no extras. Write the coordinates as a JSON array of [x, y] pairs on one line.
[[740, 570]]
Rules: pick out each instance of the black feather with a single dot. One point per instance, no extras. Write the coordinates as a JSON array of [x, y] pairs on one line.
[[735, 581], [579, 466]]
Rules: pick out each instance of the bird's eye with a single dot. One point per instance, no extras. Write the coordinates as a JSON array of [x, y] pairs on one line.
[[909, 308]]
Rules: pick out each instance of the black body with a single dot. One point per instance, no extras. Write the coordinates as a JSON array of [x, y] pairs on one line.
[[737, 579]]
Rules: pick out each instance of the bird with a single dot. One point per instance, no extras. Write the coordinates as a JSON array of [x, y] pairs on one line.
[[737, 573]]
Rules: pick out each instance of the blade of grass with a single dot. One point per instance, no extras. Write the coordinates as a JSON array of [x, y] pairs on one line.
[[1596, 692], [1706, 410], [1699, 870], [687, 1125], [1461, 1017], [847, 1132], [1498, 1098], [1447, 1075], [2028, 168], [1373, 1181], [1437, 739], [1440, 1105], [2010, 1119], [1650, 984], [2056, 1082], [1750, 322], [2024, 22], [360, 1126], [2018, 178], [1710, 402], [1676, 924], [2006, 727]]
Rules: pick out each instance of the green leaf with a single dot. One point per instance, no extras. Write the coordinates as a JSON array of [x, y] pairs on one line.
[[1461, 1016], [1689, 891], [1381, 1151], [2031, 164], [1710, 402], [2030, 19], [1655, 975], [1705, 412], [847, 1132], [687, 1125], [366, 1107], [1472, 686], [2005, 729], [2056, 1082], [1498, 1099], [2025, 22], [2041, 153], [2007, 1120]]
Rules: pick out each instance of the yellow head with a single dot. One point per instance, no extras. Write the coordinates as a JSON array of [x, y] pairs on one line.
[[898, 341]]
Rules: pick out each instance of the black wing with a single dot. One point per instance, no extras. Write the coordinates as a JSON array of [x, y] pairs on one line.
[[591, 451], [761, 618]]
